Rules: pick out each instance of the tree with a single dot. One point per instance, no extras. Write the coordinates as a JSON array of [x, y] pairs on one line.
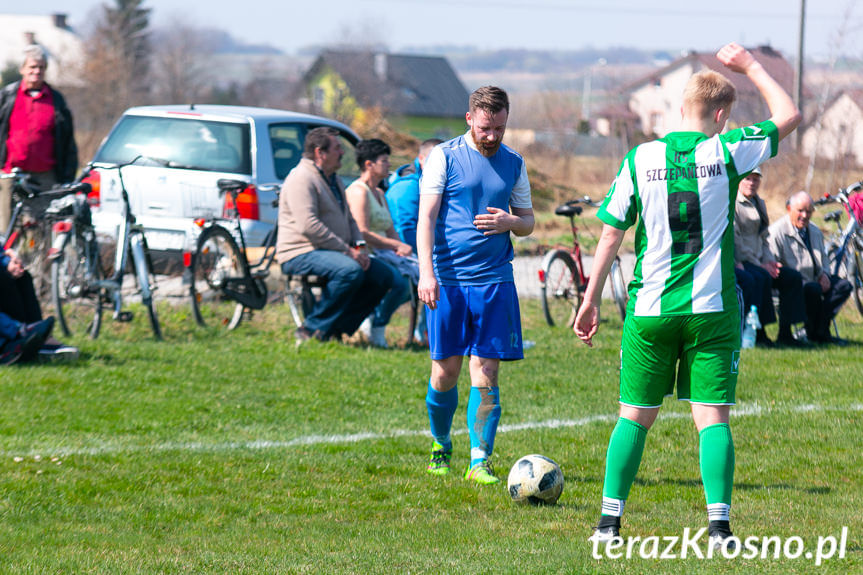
[[115, 70], [126, 30], [181, 55]]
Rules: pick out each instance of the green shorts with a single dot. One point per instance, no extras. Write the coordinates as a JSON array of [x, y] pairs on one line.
[[703, 350]]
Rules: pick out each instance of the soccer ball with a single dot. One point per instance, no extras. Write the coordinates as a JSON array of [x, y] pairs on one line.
[[535, 479]]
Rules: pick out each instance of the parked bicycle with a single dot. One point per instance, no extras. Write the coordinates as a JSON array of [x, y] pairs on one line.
[[224, 286], [28, 234], [844, 248], [562, 279], [76, 269], [78, 286]]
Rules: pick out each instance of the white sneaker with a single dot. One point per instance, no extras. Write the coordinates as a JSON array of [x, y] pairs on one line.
[[377, 337], [605, 535], [58, 353], [366, 328]]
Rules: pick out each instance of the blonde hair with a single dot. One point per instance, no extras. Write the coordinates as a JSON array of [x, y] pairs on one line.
[[708, 91]]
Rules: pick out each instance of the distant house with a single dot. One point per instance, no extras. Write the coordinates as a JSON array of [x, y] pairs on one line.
[[420, 95], [656, 99], [838, 136], [64, 47]]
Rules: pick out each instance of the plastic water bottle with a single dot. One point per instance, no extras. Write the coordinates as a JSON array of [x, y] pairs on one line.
[[750, 326]]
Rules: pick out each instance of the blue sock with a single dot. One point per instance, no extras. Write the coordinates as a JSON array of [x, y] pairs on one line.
[[483, 415], [441, 407]]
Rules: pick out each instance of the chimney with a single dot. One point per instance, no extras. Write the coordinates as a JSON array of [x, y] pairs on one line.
[[60, 21], [29, 38], [381, 66]]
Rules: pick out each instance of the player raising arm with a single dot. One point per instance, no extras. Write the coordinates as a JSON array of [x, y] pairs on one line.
[[683, 320]]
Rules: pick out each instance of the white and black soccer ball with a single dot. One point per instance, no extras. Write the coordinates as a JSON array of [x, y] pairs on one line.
[[535, 479]]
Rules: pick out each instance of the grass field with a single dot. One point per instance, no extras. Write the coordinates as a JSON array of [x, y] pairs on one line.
[[241, 454]]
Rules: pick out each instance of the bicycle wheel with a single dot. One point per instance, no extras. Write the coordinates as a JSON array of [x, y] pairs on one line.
[[414, 303], [216, 260], [856, 280], [561, 293], [145, 278], [77, 302], [618, 288]]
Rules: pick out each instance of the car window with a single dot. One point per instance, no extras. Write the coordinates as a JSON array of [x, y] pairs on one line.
[[286, 141], [183, 142]]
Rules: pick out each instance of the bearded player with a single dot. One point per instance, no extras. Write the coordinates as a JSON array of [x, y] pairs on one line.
[[474, 192]]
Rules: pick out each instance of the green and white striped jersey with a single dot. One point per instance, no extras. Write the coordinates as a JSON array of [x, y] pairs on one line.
[[680, 190]]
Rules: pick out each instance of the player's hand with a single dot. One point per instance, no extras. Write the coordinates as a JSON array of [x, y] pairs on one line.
[[496, 221], [735, 57], [428, 290], [824, 280], [16, 266], [586, 322]]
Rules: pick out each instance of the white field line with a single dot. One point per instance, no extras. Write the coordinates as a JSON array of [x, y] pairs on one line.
[[753, 410]]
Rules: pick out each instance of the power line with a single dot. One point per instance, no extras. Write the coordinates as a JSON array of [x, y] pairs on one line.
[[629, 9]]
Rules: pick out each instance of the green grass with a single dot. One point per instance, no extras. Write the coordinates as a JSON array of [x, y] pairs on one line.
[[241, 454]]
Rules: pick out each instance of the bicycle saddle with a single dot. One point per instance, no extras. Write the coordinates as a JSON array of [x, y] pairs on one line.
[[568, 210], [833, 216], [227, 185]]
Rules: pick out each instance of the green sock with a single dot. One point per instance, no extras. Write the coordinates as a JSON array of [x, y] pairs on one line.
[[623, 458], [716, 454]]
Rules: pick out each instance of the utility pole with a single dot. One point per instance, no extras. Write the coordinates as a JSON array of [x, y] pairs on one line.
[[798, 78]]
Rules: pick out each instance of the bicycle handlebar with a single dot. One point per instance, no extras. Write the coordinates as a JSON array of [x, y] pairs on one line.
[[841, 196], [584, 200], [22, 181]]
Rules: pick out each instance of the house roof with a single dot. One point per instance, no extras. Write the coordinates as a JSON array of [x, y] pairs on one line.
[[772, 61], [63, 47], [401, 84], [856, 97]]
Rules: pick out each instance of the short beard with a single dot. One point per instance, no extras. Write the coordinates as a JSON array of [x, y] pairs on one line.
[[487, 150]]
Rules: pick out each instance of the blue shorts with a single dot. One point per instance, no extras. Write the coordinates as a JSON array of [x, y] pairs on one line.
[[476, 320]]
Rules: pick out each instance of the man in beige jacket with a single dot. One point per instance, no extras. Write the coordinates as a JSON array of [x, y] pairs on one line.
[[318, 236], [798, 244]]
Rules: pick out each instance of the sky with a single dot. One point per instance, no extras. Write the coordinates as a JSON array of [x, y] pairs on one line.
[[832, 26]]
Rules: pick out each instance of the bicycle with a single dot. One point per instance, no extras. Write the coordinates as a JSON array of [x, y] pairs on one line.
[[224, 286], [562, 280], [845, 246], [79, 284], [76, 269], [27, 233]]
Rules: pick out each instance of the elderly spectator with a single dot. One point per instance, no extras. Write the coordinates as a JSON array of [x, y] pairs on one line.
[[318, 236], [798, 244], [758, 272], [36, 132], [369, 209]]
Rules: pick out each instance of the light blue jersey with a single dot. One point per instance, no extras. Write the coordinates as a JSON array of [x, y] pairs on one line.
[[469, 183]]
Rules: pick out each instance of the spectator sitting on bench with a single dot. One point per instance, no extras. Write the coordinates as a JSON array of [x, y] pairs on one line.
[[316, 235], [798, 244], [369, 209]]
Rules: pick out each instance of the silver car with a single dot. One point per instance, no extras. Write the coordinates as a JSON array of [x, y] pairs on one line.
[[184, 151]]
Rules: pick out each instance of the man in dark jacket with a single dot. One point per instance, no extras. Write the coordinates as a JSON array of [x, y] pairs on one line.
[[36, 131]]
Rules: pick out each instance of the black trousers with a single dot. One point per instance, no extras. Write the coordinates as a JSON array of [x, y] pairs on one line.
[[758, 286], [792, 309], [18, 297], [822, 307]]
